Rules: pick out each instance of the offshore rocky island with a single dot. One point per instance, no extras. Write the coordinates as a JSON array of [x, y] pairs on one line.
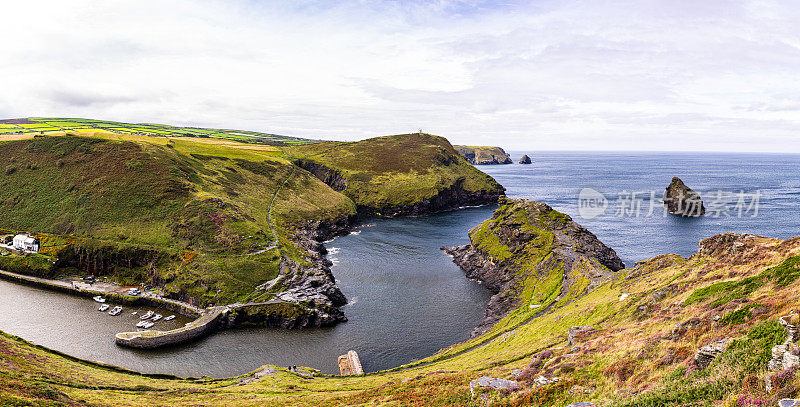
[[240, 221]]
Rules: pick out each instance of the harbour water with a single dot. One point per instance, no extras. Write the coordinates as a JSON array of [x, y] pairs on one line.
[[407, 299]]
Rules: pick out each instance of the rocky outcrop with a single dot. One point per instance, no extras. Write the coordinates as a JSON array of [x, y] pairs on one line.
[[525, 237], [682, 200], [525, 159], [708, 353], [787, 355], [308, 290], [484, 155]]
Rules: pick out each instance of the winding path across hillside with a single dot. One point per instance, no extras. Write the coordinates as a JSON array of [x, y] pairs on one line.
[[272, 204]]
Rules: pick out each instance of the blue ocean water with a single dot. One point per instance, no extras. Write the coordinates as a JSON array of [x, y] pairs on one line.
[[556, 178]]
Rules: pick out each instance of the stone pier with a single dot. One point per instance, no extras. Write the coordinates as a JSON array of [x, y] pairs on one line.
[[350, 364]]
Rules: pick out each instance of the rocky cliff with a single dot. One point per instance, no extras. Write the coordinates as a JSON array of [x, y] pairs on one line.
[[484, 155], [682, 200], [529, 240]]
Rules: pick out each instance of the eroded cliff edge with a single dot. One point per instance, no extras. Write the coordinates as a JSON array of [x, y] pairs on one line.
[[529, 244]]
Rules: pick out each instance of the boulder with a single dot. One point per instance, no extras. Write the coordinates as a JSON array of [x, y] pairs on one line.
[[576, 332], [682, 200], [525, 159], [491, 382], [708, 353]]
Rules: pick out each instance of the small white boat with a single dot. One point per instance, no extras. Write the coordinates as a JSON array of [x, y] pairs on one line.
[[169, 318], [103, 307], [156, 317], [147, 315], [141, 324], [115, 311], [99, 299], [148, 325], [133, 313]]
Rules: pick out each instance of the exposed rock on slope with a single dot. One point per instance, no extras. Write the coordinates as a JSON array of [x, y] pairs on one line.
[[525, 159], [484, 155], [529, 240], [682, 200]]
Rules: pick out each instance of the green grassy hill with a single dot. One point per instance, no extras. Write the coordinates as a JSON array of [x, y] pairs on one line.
[[191, 215], [202, 207], [399, 175], [641, 329]]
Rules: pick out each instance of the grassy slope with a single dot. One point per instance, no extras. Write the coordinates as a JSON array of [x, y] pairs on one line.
[[203, 201], [386, 172], [632, 358]]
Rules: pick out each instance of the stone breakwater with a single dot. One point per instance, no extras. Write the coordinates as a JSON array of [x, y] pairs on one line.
[[179, 307]]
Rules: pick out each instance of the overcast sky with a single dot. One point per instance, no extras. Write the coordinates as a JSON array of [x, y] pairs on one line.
[[593, 75]]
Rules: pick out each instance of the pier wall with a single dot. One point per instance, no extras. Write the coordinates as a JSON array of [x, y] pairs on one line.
[[67, 288], [205, 325]]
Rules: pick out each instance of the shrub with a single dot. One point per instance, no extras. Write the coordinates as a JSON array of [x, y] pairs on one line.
[[621, 370]]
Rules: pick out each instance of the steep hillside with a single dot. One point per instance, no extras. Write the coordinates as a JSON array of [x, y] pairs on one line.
[[484, 155], [213, 221], [192, 219], [670, 331], [408, 174]]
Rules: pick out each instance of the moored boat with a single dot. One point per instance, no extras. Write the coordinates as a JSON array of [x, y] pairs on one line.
[[147, 315], [148, 325], [156, 317], [169, 318], [99, 299], [103, 307], [115, 311]]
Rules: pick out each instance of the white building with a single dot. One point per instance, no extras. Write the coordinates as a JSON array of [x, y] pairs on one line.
[[25, 242]]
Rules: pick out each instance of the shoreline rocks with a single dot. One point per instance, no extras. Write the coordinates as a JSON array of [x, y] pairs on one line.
[[525, 159], [682, 200]]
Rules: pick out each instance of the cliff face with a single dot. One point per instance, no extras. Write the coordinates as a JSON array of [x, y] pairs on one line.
[[484, 155], [527, 240], [329, 176]]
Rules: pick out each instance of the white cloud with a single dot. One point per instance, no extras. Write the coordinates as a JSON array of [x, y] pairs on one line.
[[636, 75]]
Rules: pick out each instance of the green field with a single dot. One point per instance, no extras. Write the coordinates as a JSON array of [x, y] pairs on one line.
[[45, 124]]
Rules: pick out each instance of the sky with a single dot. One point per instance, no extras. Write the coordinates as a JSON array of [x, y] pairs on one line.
[[667, 75]]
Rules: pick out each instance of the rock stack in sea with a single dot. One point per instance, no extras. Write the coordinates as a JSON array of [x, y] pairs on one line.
[[682, 200], [525, 159]]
